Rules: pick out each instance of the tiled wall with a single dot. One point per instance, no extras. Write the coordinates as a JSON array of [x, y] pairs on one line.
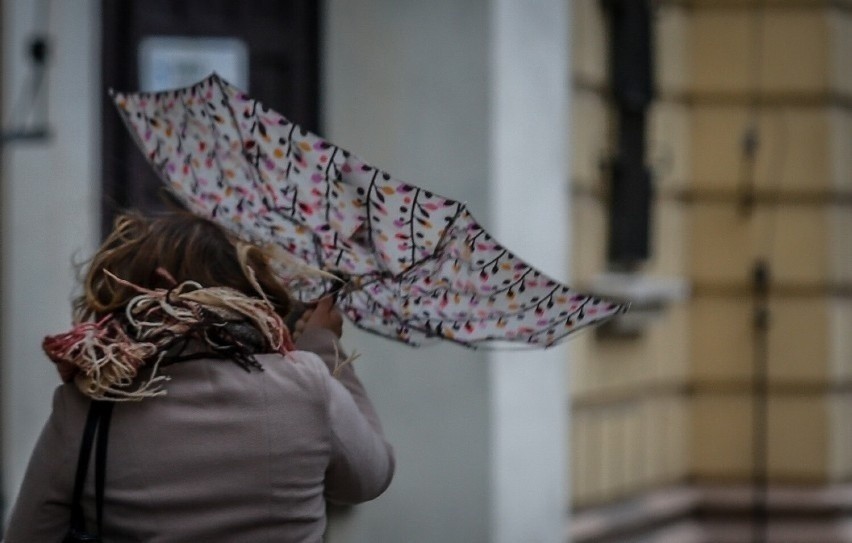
[[676, 403], [630, 412], [773, 64]]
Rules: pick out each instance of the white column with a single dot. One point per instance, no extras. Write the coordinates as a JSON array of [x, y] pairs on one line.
[[530, 203], [49, 212]]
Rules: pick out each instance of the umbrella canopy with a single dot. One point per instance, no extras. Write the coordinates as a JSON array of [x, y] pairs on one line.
[[415, 265]]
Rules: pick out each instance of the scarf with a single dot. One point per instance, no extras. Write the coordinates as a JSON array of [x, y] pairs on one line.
[[104, 357]]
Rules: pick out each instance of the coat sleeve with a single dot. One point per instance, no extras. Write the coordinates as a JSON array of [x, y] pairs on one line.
[[362, 463], [42, 511]]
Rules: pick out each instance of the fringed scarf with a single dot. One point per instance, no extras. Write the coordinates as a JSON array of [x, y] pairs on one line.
[[104, 357]]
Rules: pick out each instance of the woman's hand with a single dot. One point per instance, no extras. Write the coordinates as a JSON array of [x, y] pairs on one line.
[[322, 315]]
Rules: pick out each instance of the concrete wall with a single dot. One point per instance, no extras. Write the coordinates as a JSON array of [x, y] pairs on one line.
[[468, 99], [405, 88], [48, 209]]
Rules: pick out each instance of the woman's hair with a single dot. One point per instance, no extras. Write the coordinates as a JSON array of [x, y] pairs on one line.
[[186, 248]]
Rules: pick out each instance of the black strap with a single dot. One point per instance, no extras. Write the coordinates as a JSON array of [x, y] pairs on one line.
[[101, 459], [99, 414]]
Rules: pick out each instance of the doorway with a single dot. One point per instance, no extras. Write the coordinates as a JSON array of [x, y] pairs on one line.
[[280, 40]]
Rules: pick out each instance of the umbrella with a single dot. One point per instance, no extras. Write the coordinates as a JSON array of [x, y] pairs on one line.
[[414, 265]]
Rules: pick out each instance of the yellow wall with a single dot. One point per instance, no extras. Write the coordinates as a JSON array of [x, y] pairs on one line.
[[775, 65], [676, 404], [630, 413]]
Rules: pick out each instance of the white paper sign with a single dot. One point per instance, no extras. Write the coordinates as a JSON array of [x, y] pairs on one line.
[[167, 62]]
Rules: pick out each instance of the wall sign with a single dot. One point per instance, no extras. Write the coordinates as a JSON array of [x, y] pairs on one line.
[[168, 62]]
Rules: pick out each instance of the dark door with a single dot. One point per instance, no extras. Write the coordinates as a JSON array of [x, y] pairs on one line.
[[282, 38]]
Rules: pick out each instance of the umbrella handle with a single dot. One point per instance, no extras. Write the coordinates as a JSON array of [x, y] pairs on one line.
[[299, 307], [294, 316]]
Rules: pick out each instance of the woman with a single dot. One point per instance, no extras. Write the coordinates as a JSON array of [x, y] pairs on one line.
[[237, 434]]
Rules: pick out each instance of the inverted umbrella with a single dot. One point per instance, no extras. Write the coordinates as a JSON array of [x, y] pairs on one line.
[[414, 265]]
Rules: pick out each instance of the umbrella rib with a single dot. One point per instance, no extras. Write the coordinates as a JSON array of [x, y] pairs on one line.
[[339, 252], [566, 319], [491, 262], [505, 314], [214, 149], [125, 117], [328, 187], [411, 227], [290, 142], [236, 125], [288, 154], [262, 185], [375, 304], [181, 139], [460, 208], [371, 240]]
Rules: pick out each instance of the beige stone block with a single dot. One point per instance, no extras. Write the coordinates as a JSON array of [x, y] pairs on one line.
[[808, 339], [588, 469], [840, 141], [589, 229], [612, 446], [840, 23], [589, 35], [581, 449], [721, 439], [668, 240], [719, 51], [722, 243], [840, 437], [799, 239], [639, 444], [672, 35], [799, 341], [590, 138], [609, 366], [676, 438], [721, 339], [840, 340], [795, 150], [669, 348], [632, 453], [621, 449], [839, 246], [669, 147], [798, 434], [600, 366], [665, 426], [716, 152], [726, 243], [653, 454], [794, 153], [795, 50]]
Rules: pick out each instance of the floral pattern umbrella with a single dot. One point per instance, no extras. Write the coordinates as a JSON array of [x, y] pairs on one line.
[[415, 265]]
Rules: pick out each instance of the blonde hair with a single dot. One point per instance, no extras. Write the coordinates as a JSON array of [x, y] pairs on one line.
[[162, 252]]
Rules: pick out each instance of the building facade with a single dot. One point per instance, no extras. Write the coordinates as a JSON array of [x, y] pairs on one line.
[[746, 383]]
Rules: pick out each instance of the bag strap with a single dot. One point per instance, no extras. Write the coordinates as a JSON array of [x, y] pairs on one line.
[[101, 459], [99, 414]]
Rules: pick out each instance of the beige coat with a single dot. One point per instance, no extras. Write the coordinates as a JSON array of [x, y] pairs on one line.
[[226, 455]]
